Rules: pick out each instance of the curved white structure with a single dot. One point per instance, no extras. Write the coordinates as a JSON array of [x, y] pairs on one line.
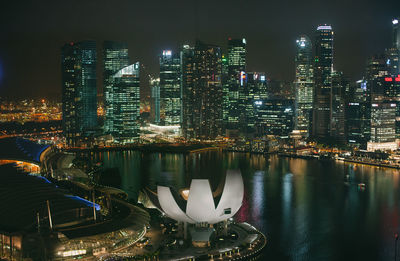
[[200, 204]]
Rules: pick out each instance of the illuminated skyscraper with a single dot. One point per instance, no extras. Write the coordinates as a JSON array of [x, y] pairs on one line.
[[323, 81], [383, 115], [187, 81], [358, 109], [337, 118], [304, 85], [79, 91], [390, 86], [225, 89], [170, 88], [155, 99], [396, 33], [393, 53], [207, 91], [115, 57], [125, 93], [235, 101], [275, 117], [255, 93]]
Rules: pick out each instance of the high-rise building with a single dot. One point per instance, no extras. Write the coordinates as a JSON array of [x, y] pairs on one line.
[[257, 82], [170, 88], [304, 86], [393, 53], [255, 92], [376, 67], [396, 33], [155, 99], [125, 93], [358, 118], [392, 60], [337, 110], [79, 91], [275, 117], [225, 90], [375, 70], [235, 86], [383, 115], [391, 92], [115, 57], [187, 81], [323, 81], [206, 93]]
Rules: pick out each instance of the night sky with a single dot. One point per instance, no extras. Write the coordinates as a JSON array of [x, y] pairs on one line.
[[32, 33]]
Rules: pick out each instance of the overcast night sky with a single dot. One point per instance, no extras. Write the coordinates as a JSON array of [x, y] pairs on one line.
[[32, 33]]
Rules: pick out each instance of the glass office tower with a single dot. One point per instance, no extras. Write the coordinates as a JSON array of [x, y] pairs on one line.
[[323, 68], [155, 99], [358, 109], [115, 57], [187, 81], [170, 89], [255, 91], [396, 33], [125, 92], [275, 117], [393, 53], [79, 91], [235, 101], [304, 86], [207, 91], [337, 117], [383, 116]]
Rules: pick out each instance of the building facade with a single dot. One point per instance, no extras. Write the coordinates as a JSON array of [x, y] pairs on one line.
[[170, 89], [235, 87], [206, 93], [79, 91], [338, 107], [304, 86], [155, 99], [187, 81], [358, 118], [255, 92], [275, 117], [396, 33], [383, 115], [126, 105], [323, 68], [115, 57], [393, 53]]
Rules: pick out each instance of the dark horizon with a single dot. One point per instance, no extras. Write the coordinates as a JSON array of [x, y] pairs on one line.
[[30, 49]]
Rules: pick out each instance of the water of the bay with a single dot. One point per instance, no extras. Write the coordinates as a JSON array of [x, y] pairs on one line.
[[308, 209]]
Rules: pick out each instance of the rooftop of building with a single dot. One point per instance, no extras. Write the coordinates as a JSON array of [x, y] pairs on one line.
[[23, 196], [21, 149]]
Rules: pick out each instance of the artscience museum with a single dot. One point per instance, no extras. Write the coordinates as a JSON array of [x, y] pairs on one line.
[[200, 208]]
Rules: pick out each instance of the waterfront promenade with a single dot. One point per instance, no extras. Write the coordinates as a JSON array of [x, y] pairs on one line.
[[154, 147]]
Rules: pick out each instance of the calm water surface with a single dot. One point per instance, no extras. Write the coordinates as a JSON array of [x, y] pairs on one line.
[[305, 207]]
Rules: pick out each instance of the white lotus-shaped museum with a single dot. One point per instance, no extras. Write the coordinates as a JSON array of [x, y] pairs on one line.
[[200, 206]]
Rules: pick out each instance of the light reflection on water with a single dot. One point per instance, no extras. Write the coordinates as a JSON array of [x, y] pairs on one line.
[[309, 210]]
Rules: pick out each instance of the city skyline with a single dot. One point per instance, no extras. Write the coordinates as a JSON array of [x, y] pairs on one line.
[[358, 34], [199, 130]]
